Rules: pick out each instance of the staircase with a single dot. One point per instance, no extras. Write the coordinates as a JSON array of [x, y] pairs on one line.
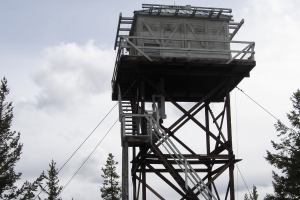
[[191, 178], [130, 133], [130, 125]]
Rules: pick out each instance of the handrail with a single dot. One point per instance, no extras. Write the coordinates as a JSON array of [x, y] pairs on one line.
[[190, 173]]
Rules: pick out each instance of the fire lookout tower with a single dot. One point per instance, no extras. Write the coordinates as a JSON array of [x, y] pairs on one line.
[[174, 57]]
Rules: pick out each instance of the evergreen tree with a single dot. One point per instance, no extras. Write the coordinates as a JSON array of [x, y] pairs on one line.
[[287, 157], [28, 189], [253, 196], [10, 147], [110, 189], [10, 151], [52, 189]]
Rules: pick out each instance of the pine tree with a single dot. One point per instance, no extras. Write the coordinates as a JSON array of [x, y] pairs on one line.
[[253, 196], [10, 151], [287, 157], [110, 189], [52, 189], [10, 147]]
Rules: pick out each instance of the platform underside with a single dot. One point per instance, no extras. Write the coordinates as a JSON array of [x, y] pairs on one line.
[[185, 80]]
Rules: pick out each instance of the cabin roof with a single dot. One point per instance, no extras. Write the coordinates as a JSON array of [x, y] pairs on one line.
[[186, 11]]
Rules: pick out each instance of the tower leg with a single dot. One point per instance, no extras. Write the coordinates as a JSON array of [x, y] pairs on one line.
[[125, 194], [229, 132]]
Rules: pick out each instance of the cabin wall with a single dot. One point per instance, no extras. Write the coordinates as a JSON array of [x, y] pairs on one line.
[[185, 30]]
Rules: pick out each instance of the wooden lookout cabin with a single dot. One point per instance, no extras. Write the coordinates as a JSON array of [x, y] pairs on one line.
[[168, 55]]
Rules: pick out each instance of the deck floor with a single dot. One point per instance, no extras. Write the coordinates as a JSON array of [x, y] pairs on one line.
[[186, 80]]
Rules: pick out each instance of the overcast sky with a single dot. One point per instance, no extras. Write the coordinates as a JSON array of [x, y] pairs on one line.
[[58, 58]]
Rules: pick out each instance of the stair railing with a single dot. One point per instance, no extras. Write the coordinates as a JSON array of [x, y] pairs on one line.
[[190, 174]]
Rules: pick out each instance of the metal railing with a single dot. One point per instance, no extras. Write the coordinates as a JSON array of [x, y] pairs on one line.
[[237, 50]]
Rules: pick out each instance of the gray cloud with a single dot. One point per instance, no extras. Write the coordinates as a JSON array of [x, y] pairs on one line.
[[74, 81]]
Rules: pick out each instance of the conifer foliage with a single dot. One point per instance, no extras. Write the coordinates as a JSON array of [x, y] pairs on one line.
[[253, 195], [110, 189], [52, 188], [10, 147], [287, 157]]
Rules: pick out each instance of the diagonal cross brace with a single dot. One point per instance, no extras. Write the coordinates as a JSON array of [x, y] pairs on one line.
[[173, 172], [188, 113]]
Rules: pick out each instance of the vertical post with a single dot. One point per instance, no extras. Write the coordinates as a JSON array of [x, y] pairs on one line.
[[207, 128], [125, 194], [208, 142], [143, 167], [229, 135], [143, 120], [161, 102], [144, 132], [134, 188]]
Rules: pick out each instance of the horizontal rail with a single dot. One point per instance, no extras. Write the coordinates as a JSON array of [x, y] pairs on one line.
[[181, 39], [191, 49], [153, 7]]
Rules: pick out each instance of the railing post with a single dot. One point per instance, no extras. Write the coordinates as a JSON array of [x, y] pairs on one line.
[[123, 128], [252, 49], [122, 46], [120, 103]]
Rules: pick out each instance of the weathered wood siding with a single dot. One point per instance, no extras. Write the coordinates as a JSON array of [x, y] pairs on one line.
[[184, 29]]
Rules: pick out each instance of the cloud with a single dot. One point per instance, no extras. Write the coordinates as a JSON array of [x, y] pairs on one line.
[[72, 74]]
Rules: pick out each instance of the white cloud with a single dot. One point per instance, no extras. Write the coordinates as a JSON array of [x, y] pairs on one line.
[[72, 74]]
